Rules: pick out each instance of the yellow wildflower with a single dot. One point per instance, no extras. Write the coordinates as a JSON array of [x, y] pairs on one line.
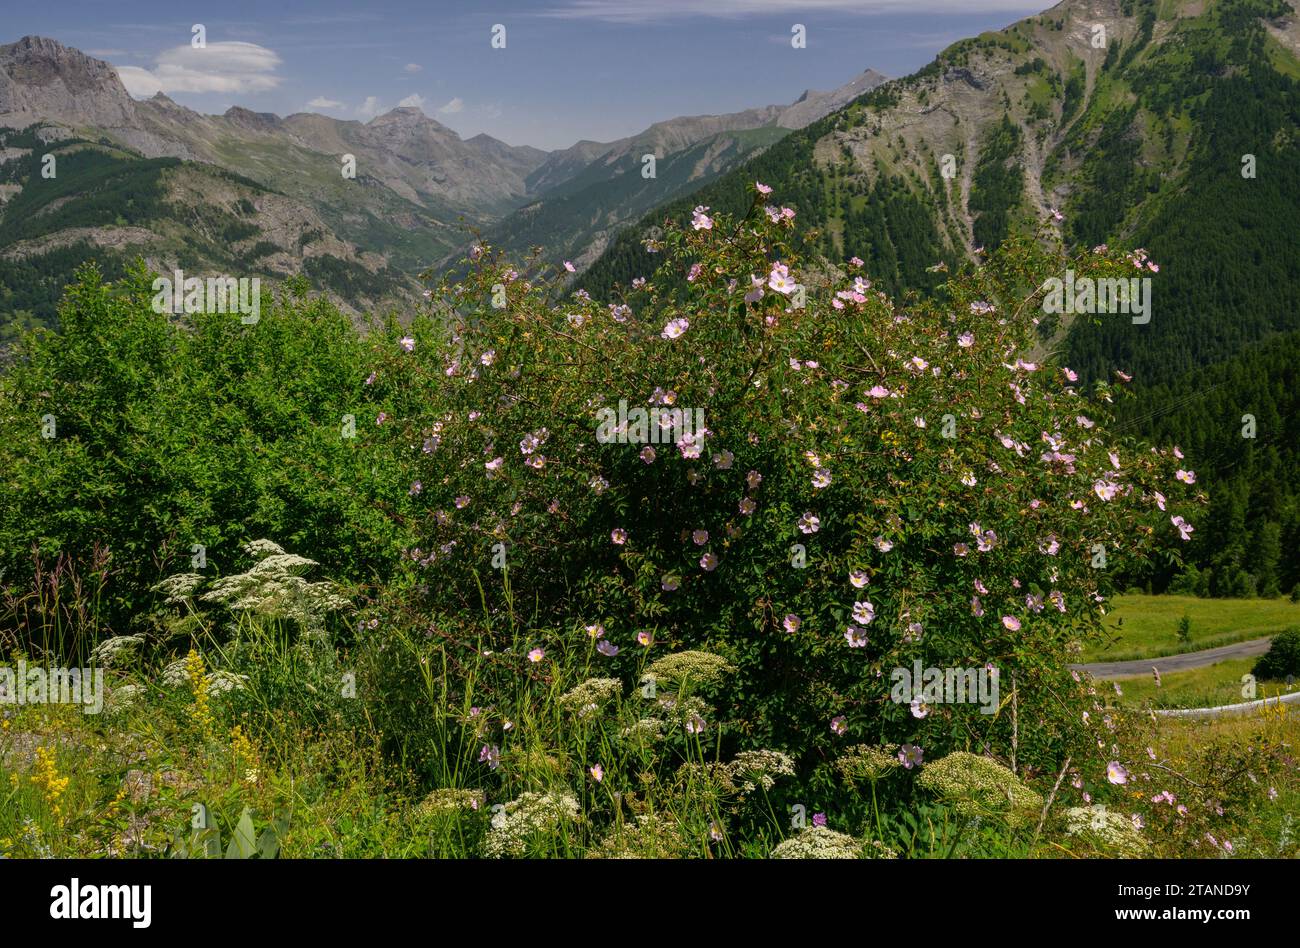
[[46, 778], [198, 678], [242, 749]]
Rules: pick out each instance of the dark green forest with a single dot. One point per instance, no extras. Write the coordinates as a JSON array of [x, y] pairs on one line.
[[1222, 340], [1238, 422]]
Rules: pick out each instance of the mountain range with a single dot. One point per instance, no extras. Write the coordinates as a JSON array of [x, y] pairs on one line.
[[253, 190]]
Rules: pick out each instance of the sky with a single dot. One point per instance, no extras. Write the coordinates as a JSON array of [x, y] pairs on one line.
[[569, 69]]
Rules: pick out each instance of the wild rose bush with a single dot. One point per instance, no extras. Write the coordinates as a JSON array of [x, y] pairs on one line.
[[876, 482]]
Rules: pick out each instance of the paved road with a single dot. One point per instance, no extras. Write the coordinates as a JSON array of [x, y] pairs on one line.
[[1174, 663]]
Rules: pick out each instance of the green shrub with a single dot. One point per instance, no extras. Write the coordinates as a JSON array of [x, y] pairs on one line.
[[1282, 657], [823, 478], [174, 432]]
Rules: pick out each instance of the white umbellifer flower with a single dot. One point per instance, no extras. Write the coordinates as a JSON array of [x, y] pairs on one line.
[[700, 668], [174, 674], [221, 681], [449, 801], [819, 842], [123, 697], [113, 651], [644, 729], [530, 816], [282, 563], [180, 587], [260, 548], [1116, 832], [586, 699], [273, 587], [753, 769]]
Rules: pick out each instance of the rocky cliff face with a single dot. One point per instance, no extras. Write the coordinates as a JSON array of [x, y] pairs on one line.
[[813, 105], [481, 173], [41, 79]]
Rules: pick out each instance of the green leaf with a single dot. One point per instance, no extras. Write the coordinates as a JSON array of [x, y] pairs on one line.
[[211, 839], [268, 844], [242, 846]]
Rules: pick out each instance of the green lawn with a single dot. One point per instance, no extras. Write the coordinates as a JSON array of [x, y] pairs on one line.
[[1150, 624], [1206, 687]]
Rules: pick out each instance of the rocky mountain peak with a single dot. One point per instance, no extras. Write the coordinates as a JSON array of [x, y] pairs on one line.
[[814, 104], [40, 78], [402, 115], [254, 121]]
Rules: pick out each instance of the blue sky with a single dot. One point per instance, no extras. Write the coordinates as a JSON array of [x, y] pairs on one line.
[[571, 69]]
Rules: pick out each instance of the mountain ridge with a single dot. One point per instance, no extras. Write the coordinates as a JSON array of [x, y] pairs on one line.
[[417, 182], [577, 218]]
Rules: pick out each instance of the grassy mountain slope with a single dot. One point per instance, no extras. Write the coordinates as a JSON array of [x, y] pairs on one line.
[[1001, 128], [1179, 134], [589, 192], [578, 218], [110, 205]]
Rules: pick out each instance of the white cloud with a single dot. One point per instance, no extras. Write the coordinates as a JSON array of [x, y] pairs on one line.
[[231, 68], [412, 67], [641, 11], [141, 83], [320, 102], [451, 108], [414, 100], [369, 108]]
